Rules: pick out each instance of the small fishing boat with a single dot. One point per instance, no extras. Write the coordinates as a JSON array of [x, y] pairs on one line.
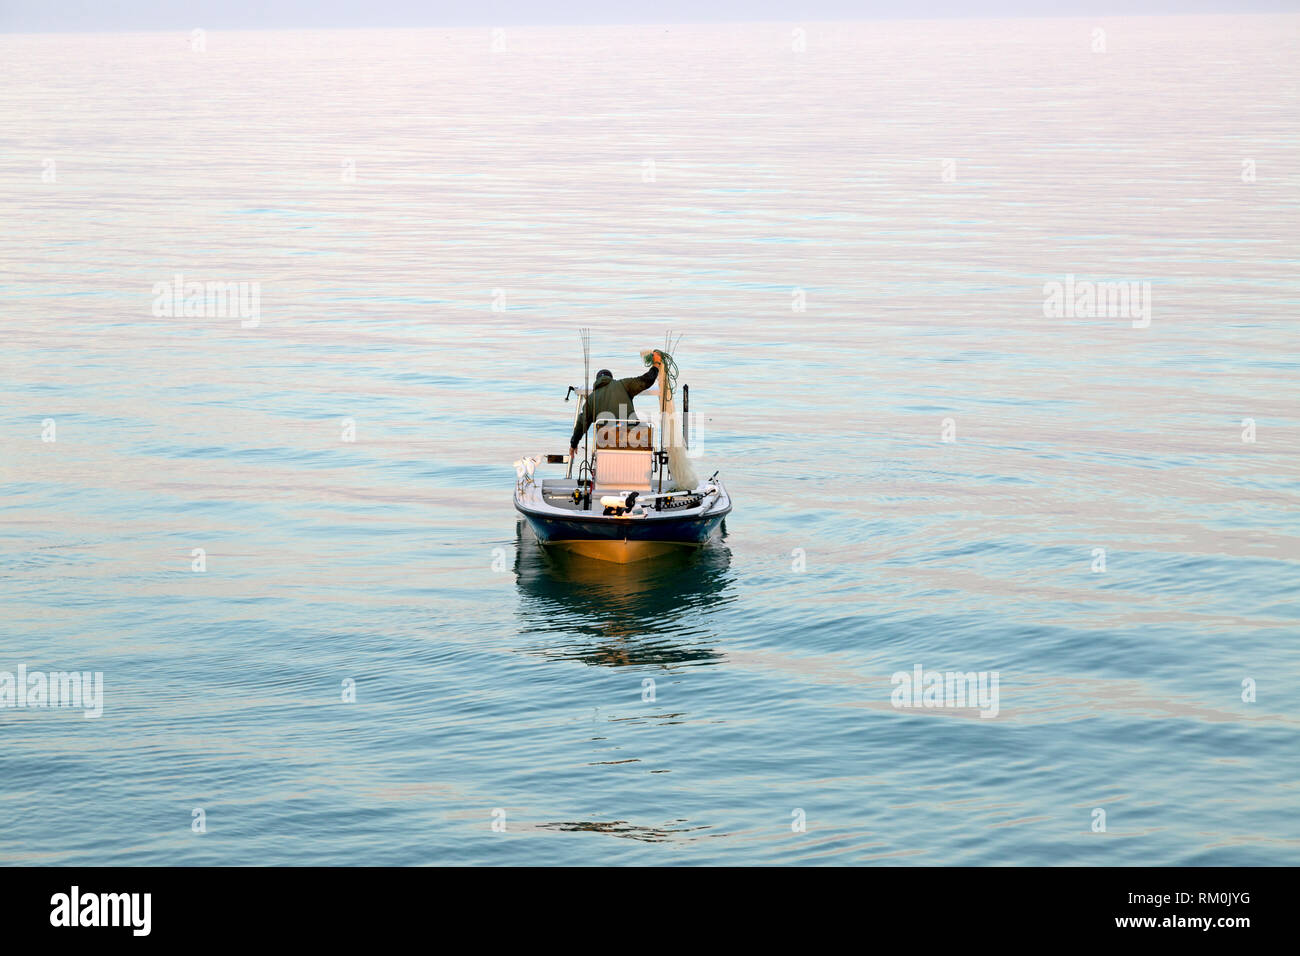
[[630, 500]]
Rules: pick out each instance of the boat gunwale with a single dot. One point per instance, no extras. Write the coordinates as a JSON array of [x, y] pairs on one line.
[[650, 517]]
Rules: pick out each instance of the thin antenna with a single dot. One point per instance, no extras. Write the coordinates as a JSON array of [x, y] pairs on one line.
[[663, 397], [585, 336]]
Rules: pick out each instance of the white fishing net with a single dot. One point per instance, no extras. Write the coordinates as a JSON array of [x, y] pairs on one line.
[[684, 476]]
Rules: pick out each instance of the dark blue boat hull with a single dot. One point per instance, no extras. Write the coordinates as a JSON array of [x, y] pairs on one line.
[[695, 531], [628, 539]]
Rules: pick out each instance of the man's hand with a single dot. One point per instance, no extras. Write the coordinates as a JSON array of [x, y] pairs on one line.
[[573, 453], [658, 359]]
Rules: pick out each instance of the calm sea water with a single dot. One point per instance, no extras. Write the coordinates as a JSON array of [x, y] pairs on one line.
[[430, 220]]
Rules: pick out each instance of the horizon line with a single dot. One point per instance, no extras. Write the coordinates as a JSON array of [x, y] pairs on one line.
[[496, 25]]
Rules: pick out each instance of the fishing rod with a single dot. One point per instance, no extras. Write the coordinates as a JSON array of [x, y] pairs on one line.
[[585, 336]]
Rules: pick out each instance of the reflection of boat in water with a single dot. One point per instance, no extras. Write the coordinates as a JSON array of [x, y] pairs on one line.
[[646, 612]]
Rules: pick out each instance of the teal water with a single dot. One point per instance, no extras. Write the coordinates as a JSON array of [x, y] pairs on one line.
[[430, 222]]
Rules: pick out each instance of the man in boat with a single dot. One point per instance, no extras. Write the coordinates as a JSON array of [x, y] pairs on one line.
[[613, 398]]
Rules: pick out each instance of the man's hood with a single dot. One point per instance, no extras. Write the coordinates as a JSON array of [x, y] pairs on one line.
[[602, 378]]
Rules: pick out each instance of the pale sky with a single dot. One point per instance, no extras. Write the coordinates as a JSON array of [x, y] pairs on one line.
[[43, 15]]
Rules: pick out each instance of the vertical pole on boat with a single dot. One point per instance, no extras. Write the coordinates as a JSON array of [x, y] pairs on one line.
[[663, 398], [585, 336], [686, 415]]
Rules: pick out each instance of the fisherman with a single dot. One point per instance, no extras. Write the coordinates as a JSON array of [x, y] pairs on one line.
[[612, 397]]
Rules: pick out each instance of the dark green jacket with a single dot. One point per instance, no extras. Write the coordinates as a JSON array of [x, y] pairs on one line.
[[611, 397]]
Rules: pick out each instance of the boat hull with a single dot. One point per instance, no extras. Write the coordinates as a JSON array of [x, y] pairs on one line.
[[622, 540]]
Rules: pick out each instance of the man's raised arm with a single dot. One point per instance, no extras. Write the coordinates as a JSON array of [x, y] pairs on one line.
[[639, 383]]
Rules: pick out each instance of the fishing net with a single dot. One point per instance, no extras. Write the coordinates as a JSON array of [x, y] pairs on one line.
[[684, 477]]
